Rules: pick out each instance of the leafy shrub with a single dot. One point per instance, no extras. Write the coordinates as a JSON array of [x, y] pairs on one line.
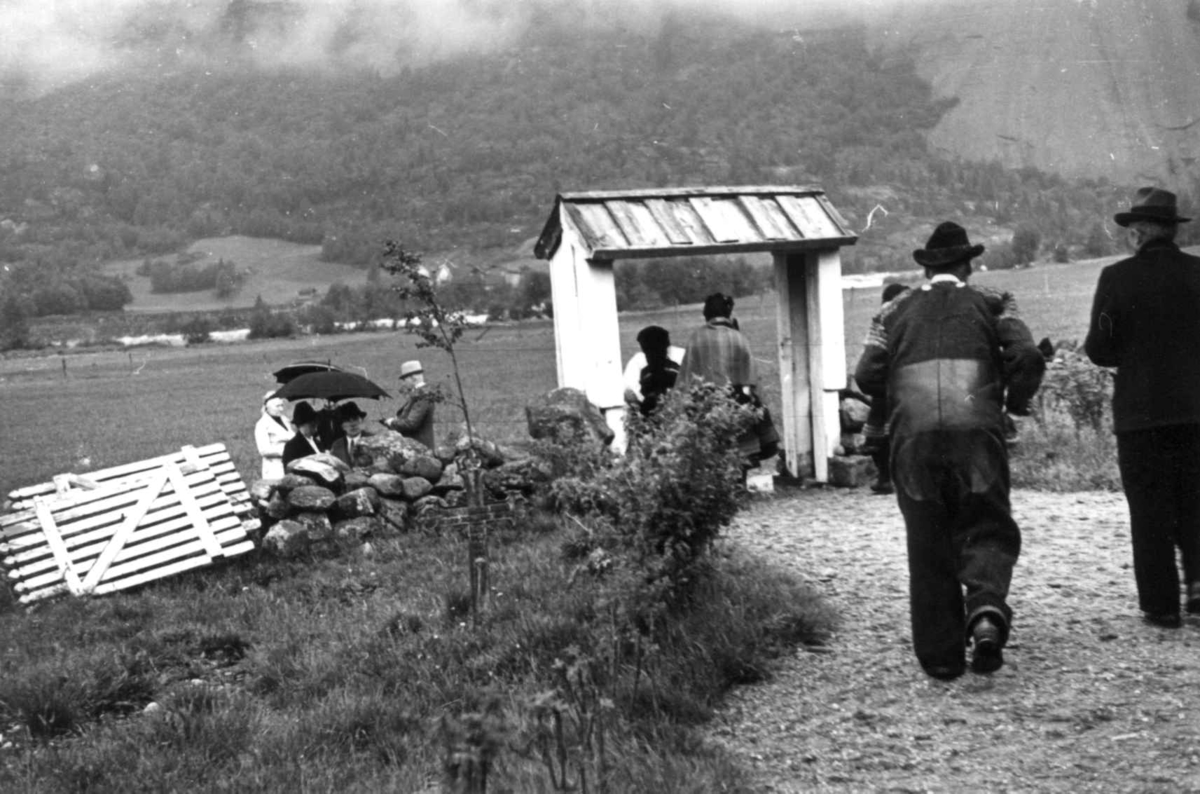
[[661, 505], [1077, 388]]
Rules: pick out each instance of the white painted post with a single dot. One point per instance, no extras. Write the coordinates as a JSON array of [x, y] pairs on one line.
[[586, 331], [827, 353], [794, 387]]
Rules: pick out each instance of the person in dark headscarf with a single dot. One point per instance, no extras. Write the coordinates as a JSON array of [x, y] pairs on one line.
[[659, 370]]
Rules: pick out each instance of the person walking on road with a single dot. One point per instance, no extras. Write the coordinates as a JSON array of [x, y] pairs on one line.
[[942, 356], [1145, 321]]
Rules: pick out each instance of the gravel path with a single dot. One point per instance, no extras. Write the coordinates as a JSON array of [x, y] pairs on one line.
[[1089, 699]]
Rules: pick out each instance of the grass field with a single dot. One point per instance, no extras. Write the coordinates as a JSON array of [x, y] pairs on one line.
[[278, 271], [91, 410], [361, 672]]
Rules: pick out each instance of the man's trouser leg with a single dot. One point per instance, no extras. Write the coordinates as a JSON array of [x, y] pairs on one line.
[[935, 596], [1187, 489], [987, 542], [1149, 476]]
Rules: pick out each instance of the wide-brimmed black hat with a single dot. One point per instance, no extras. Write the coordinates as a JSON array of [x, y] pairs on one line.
[[303, 413], [350, 410], [1151, 204], [948, 245]]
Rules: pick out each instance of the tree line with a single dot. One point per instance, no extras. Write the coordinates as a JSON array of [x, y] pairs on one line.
[[468, 154]]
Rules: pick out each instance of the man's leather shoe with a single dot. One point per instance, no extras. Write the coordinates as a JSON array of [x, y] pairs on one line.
[[1164, 620], [988, 657], [944, 672]]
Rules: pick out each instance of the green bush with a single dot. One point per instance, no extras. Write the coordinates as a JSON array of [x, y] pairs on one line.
[[1078, 389], [661, 505]]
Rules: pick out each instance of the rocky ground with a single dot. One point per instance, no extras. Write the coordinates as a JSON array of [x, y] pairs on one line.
[[1090, 699]]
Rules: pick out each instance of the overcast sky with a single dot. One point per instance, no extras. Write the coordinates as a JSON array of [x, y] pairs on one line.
[[55, 42]]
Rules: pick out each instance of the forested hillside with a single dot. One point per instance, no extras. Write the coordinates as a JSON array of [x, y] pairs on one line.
[[468, 154]]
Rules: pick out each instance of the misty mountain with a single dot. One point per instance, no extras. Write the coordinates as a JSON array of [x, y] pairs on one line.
[[1078, 87], [465, 153]]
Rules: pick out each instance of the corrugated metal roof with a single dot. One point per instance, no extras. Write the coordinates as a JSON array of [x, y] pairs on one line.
[[702, 220]]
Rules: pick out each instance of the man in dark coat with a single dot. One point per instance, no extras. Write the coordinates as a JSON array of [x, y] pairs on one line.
[[305, 442], [415, 417], [346, 448], [942, 356], [1145, 321]]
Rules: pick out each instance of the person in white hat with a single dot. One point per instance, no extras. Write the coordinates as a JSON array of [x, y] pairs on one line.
[[271, 433], [416, 416]]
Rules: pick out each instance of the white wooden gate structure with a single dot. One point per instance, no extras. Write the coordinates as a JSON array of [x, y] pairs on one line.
[[587, 232], [125, 526]]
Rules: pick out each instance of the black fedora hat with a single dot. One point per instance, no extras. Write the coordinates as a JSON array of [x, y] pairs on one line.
[[303, 413], [948, 245], [1151, 204], [350, 410]]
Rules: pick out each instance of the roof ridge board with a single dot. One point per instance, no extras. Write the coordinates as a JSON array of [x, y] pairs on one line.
[[691, 192]]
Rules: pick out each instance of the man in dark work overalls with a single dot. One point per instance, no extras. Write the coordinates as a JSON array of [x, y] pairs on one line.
[[950, 359]]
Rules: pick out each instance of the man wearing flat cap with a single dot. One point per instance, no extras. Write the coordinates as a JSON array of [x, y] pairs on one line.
[[1145, 321], [415, 417], [949, 359]]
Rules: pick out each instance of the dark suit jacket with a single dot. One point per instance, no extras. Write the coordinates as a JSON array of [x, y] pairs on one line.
[[339, 451], [298, 447], [1145, 321], [415, 417]]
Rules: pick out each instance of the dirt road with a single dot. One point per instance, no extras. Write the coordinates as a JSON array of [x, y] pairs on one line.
[[1090, 699]]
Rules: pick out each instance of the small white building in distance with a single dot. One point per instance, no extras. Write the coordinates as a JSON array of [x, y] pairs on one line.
[[587, 232]]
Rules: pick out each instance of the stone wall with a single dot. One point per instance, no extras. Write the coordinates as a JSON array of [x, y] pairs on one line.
[[396, 484]]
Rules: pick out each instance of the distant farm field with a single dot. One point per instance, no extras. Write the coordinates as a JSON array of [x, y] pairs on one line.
[[91, 410], [278, 271]]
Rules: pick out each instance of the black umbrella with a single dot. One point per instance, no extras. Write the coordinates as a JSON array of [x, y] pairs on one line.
[[297, 368], [331, 385]]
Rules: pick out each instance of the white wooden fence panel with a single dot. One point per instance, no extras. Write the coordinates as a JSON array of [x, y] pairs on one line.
[[125, 526]]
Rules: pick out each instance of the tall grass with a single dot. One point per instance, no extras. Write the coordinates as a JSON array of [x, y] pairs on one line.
[[356, 675]]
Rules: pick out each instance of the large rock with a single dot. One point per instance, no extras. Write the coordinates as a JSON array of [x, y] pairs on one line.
[[450, 481], [518, 475], [323, 469], [355, 480], [287, 539], [316, 525], [394, 514], [352, 531], [291, 482], [565, 416], [387, 484], [390, 446], [311, 497], [277, 507], [261, 491], [357, 503], [426, 466], [416, 488], [851, 471]]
